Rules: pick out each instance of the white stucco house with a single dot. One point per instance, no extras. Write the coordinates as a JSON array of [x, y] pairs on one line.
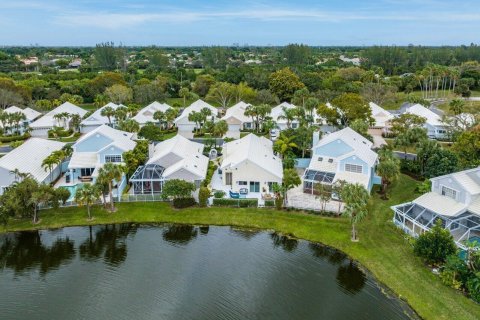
[[249, 167], [341, 155], [185, 126], [237, 120], [27, 159], [96, 119], [30, 116], [146, 114], [434, 125], [278, 112], [40, 127], [381, 116], [454, 200], [175, 158], [101, 145]]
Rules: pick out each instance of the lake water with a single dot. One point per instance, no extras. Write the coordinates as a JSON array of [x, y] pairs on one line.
[[182, 272]]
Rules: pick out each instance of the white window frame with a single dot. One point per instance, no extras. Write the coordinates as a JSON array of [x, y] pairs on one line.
[[113, 155], [242, 183], [351, 166], [454, 192]]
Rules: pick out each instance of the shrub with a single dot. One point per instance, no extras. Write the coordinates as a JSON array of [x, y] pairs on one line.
[[180, 203], [203, 195], [410, 166], [177, 188], [269, 203], [218, 194], [473, 286], [241, 203], [210, 171], [14, 138], [60, 133], [435, 245]]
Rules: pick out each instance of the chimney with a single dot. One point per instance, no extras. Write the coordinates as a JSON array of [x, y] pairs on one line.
[[316, 137]]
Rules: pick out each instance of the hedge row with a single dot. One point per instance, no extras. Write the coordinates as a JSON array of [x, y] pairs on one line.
[[60, 133], [180, 203], [241, 203], [14, 138], [269, 203]]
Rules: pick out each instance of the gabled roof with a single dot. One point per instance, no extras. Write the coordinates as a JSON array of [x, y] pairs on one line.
[[255, 149], [468, 179], [278, 111], [432, 118], [190, 154], [28, 157], [96, 118], [29, 113], [47, 121], [439, 204], [360, 145], [146, 114], [121, 139], [380, 115], [237, 111], [196, 106]]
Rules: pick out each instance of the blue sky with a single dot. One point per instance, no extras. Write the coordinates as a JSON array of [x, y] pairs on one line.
[[220, 22]]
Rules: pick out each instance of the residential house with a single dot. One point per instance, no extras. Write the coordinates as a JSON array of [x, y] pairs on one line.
[[342, 155], [40, 127], [185, 126], [101, 145], [249, 167], [175, 158], [382, 118], [30, 116], [454, 199], [146, 114], [28, 159], [436, 129], [96, 119], [278, 115], [237, 120]]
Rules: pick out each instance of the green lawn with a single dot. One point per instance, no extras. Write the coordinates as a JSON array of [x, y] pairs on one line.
[[383, 249]]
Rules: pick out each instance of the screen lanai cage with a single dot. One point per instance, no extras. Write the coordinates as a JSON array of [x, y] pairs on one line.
[[148, 179], [313, 177]]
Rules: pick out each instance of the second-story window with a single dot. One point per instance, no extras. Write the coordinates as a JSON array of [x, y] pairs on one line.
[[353, 168], [449, 192], [113, 158]]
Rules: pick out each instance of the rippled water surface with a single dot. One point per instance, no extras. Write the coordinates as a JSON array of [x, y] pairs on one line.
[[181, 272]]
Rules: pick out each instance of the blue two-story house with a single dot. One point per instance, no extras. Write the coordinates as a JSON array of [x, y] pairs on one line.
[[341, 155], [102, 145]]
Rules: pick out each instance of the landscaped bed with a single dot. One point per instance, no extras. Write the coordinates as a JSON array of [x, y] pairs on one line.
[[383, 249]]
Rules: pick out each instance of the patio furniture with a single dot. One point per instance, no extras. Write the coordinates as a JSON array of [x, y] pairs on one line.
[[234, 195], [243, 191], [267, 196]]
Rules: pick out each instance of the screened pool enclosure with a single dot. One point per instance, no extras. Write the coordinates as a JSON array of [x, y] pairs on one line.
[[148, 179], [313, 177]]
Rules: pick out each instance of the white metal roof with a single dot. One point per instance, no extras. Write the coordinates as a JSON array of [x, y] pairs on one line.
[[468, 179], [29, 113], [380, 115], [352, 177], [190, 153], [255, 149], [196, 106], [146, 114], [439, 204], [120, 139], [28, 157], [278, 111], [83, 160], [237, 111], [96, 118], [47, 121], [432, 118], [360, 145]]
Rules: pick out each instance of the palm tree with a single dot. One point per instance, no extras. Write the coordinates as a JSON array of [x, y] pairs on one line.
[[108, 112], [76, 120], [355, 197], [48, 163], [220, 128], [184, 93], [170, 116], [284, 144], [457, 106], [87, 195], [129, 125], [389, 170], [42, 195], [110, 172], [160, 117], [289, 115], [100, 100]]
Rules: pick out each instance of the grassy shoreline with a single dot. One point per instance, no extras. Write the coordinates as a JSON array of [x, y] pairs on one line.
[[383, 249]]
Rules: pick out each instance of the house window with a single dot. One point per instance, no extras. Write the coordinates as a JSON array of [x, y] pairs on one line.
[[320, 159], [242, 183], [294, 125], [86, 172], [449, 192], [330, 160], [254, 186], [270, 186], [113, 158], [353, 168]]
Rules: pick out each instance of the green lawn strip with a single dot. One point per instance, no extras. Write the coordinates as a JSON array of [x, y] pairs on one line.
[[383, 249]]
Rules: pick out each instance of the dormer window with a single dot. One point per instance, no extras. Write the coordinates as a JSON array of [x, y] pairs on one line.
[[449, 192], [330, 160], [320, 159]]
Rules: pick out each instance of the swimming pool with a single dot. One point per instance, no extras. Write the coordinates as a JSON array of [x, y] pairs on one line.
[[73, 190]]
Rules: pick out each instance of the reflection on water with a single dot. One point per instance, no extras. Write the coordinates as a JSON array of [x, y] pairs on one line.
[[25, 251], [182, 272]]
